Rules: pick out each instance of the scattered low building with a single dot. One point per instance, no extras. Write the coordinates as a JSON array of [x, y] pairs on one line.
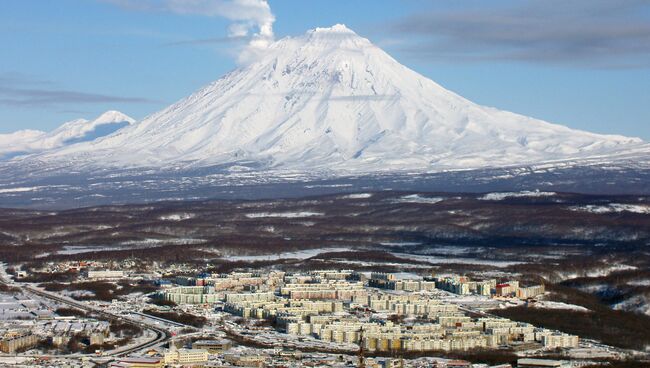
[[139, 362], [542, 363], [212, 346]]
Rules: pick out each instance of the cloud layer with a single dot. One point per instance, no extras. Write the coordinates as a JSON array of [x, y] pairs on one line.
[[251, 19], [19, 90], [600, 33]]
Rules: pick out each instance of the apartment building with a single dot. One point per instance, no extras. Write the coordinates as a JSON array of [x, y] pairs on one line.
[[186, 356], [14, 341]]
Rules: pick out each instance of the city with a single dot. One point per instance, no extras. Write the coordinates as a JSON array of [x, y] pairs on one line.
[[325, 183], [276, 318]]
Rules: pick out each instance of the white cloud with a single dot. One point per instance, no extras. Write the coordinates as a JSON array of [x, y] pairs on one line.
[[251, 18]]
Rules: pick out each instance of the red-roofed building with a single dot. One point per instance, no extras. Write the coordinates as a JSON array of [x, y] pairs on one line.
[[139, 362]]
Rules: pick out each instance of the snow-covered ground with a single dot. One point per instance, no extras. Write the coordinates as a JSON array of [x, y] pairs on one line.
[[546, 304], [443, 260], [400, 244], [135, 244], [283, 214], [542, 304], [32, 189], [358, 196], [638, 303], [450, 250], [301, 254], [639, 283], [416, 198], [598, 272], [177, 216], [613, 208], [499, 196]]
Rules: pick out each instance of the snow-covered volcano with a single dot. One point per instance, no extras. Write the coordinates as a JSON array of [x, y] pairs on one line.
[[331, 100], [25, 142]]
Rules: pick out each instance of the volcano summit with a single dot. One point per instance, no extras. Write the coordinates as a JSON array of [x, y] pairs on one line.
[[332, 104]]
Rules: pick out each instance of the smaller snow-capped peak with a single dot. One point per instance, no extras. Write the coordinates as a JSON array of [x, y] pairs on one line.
[[114, 116], [75, 131]]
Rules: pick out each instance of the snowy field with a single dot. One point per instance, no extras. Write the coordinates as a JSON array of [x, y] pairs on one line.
[[499, 196], [302, 254], [283, 214], [613, 208]]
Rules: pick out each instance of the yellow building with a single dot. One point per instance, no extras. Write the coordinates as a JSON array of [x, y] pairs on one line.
[[186, 356], [14, 341]]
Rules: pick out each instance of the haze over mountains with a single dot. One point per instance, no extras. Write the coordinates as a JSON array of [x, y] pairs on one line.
[[329, 104]]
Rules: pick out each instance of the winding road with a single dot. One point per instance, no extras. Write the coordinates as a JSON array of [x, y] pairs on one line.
[[161, 335]]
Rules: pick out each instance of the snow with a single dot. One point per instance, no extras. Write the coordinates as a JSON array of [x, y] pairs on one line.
[[358, 196], [177, 217], [637, 303], [19, 189], [301, 254], [458, 260], [415, 198], [283, 214], [131, 244], [30, 189], [612, 208], [499, 196], [331, 100], [400, 244], [75, 131], [598, 272], [639, 283], [545, 304]]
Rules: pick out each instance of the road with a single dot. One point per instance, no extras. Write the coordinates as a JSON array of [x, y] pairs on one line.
[[161, 335]]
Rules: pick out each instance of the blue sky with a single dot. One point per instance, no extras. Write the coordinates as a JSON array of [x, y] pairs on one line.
[[583, 63]]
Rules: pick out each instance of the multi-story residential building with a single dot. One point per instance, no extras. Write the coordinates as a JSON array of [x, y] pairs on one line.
[[330, 289], [14, 341], [190, 295], [105, 274], [186, 356], [530, 292]]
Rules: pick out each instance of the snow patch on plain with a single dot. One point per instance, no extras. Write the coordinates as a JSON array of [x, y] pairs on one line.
[[283, 214], [448, 260], [499, 196], [177, 217], [639, 283], [638, 303], [358, 196], [416, 198], [546, 304], [400, 244], [19, 189], [612, 208], [301, 254]]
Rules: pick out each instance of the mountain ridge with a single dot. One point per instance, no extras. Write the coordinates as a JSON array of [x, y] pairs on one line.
[[331, 100], [25, 142]]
